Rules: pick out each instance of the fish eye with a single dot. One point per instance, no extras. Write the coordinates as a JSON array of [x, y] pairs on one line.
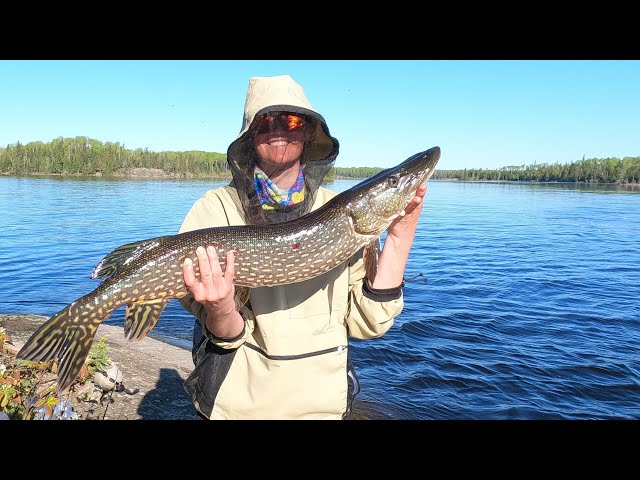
[[392, 181]]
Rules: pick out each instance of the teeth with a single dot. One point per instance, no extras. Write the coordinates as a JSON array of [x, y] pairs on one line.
[[279, 143]]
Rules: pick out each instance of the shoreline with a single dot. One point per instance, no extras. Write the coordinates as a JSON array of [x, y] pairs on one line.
[[157, 368], [161, 175]]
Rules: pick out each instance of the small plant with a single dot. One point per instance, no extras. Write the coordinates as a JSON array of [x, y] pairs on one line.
[[19, 381], [28, 389], [98, 358]]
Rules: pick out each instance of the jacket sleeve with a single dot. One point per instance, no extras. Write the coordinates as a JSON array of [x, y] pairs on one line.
[[209, 212], [370, 312], [198, 311]]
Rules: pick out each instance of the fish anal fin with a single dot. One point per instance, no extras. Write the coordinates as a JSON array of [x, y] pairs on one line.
[[141, 318], [370, 256]]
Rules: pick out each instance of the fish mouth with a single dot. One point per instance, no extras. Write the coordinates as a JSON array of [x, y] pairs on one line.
[[408, 175], [421, 165], [414, 170], [417, 170], [374, 203]]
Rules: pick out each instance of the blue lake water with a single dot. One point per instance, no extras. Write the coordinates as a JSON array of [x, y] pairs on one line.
[[527, 306]]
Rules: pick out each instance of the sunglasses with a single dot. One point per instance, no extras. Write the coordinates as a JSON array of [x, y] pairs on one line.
[[289, 122]]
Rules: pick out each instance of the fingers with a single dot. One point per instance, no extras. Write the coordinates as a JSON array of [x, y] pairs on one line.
[[210, 269], [415, 201], [188, 273], [419, 196], [208, 263], [214, 263], [213, 283], [230, 268]]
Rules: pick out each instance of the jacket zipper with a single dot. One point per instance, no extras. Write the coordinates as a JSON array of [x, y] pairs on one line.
[[338, 349]]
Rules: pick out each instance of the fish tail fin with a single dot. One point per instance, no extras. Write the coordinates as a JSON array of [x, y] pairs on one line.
[[67, 337]]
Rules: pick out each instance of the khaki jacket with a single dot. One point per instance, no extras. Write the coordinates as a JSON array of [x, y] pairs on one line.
[[291, 360]]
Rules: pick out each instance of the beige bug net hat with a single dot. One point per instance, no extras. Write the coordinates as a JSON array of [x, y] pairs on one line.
[[269, 96]]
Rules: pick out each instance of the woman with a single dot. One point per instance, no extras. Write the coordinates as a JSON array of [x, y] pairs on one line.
[[284, 353]]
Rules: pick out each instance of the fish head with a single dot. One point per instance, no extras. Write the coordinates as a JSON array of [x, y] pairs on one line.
[[374, 203]]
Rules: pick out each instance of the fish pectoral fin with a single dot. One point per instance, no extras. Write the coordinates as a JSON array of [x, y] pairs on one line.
[[370, 256], [141, 318], [241, 296]]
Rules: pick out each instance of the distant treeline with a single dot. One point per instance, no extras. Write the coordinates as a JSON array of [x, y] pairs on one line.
[[86, 156], [591, 170]]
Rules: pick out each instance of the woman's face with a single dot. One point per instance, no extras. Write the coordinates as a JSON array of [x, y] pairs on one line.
[[279, 140]]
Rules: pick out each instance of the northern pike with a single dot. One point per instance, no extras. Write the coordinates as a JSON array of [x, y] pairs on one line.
[[146, 275]]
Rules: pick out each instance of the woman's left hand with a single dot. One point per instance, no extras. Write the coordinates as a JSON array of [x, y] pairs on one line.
[[397, 244], [403, 228]]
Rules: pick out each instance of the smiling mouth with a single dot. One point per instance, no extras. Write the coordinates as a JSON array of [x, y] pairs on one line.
[[279, 143]]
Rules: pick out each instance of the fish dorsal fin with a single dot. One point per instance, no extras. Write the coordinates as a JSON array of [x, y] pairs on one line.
[[115, 261], [141, 318], [370, 255]]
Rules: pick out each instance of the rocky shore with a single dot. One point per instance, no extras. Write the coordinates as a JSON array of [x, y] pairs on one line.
[[155, 368]]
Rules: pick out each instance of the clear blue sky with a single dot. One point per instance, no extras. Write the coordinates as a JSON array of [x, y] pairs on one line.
[[482, 114]]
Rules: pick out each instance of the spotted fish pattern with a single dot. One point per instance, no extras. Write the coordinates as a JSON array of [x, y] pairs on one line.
[[146, 275]]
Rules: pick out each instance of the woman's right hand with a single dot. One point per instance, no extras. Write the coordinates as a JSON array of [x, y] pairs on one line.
[[215, 291]]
